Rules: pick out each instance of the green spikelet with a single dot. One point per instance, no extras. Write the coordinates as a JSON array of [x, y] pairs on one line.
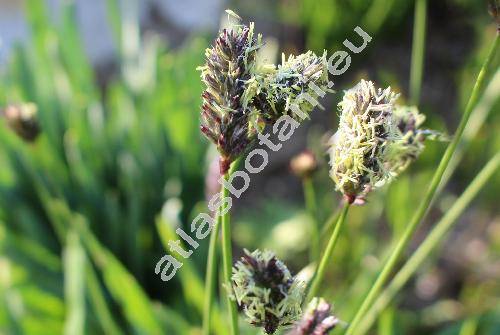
[[376, 140], [281, 88]]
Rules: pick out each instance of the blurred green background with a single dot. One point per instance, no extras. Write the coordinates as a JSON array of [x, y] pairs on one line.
[[86, 209]]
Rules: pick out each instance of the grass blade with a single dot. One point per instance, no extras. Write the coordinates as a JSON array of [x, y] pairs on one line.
[[418, 51], [74, 285]]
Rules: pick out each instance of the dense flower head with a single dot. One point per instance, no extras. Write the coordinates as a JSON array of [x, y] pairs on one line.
[[317, 320], [242, 94], [22, 119], [266, 291], [281, 87], [376, 139], [225, 117]]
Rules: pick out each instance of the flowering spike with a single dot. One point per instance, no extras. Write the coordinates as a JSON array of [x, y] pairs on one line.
[[317, 320], [225, 119], [266, 291], [376, 140]]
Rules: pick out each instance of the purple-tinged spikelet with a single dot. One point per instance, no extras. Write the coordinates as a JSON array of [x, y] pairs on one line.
[[241, 96], [317, 320], [225, 116], [266, 291]]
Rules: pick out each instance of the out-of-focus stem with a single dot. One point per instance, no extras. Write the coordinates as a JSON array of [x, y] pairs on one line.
[[330, 222], [418, 51], [310, 200], [469, 327], [479, 115], [326, 258]]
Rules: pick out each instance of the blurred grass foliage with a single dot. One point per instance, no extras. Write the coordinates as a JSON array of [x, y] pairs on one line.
[[94, 182], [88, 209]]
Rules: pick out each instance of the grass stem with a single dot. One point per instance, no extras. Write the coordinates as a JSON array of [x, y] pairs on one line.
[[469, 327], [480, 114], [330, 222], [210, 277], [418, 51], [310, 200], [227, 260], [211, 272], [424, 205], [326, 259], [430, 243]]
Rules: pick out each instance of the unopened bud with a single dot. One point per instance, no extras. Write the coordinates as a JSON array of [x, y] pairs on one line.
[[22, 119], [493, 8], [304, 164]]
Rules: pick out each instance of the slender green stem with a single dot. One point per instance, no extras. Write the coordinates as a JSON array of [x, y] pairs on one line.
[[210, 277], [418, 50], [320, 270], [424, 205], [227, 260], [310, 199], [376, 15], [469, 327], [481, 112], [98, 301], [387, 320], [211, 272], [430, 243], [330, 222]]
